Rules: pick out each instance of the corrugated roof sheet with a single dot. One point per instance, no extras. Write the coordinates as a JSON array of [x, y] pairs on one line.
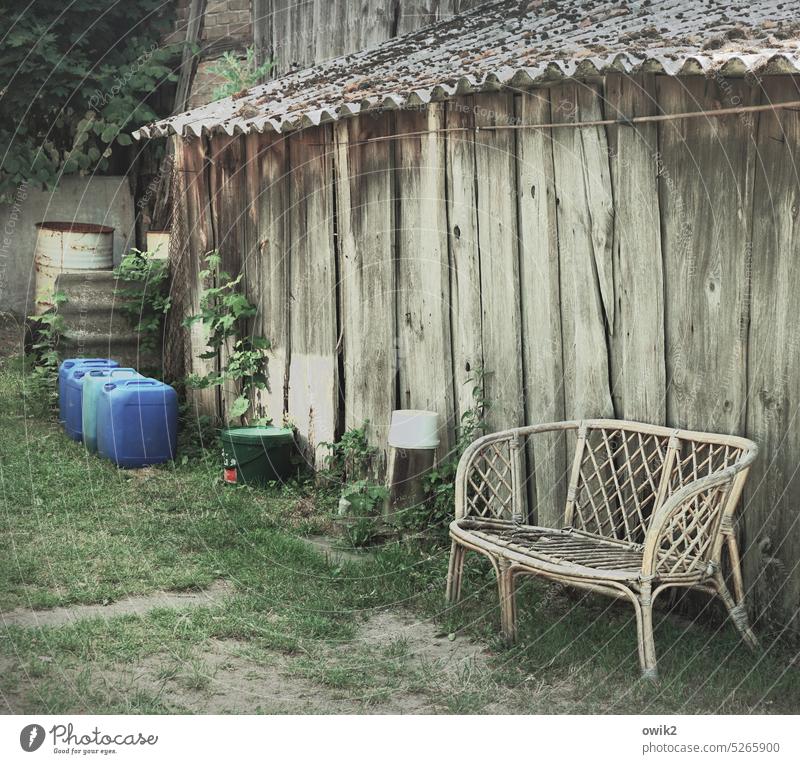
[[515, 43]]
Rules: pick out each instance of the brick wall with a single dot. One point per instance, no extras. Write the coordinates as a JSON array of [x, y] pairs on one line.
[[227, 26], [228, 18]]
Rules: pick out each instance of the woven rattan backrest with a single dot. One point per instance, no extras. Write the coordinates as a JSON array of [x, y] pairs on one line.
[[624, 471], [489, 490]]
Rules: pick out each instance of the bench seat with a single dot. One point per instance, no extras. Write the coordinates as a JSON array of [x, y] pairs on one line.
[[565, 551], [647, 508]]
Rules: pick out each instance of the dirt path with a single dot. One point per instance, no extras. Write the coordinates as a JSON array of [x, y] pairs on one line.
[[403, 656], [138, 605], [223, 679]]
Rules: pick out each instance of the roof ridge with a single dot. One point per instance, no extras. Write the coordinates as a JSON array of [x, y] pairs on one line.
[[517, 44]]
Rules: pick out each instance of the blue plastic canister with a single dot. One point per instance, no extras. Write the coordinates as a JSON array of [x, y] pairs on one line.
[[93, 382], [73, 402], [137, 422], [64, 369]]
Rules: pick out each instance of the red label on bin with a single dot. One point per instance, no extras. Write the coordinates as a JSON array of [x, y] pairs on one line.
[[230, 474]]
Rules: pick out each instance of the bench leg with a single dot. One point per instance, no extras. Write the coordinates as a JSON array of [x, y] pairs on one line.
[[738, 614], [508, 605], [454, 572], [647, 645]]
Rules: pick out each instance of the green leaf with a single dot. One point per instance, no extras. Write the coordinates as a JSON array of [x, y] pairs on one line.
[[109, 133], [239, 408], [124, 139]]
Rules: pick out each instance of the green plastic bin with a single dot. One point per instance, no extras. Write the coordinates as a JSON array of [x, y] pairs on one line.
[[257, 455]]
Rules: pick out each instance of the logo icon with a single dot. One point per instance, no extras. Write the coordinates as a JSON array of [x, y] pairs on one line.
[[31, 737]]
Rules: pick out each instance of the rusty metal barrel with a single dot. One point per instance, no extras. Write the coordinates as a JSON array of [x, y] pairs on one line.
[[64, 247]]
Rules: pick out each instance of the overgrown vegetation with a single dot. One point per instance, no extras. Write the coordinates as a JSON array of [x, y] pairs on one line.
[[41, 383], [146, 299], [350, 468], [351, 456], [224, 310], [76, 77], [440, 481], [350, 463], [292, 611], [238, 74]]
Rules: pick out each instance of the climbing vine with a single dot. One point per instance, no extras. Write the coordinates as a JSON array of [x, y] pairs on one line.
[[224, 310]]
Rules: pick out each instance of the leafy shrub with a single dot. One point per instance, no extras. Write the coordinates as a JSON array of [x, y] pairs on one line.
[[41, 385], [146, 301], [76, 76], [351, 456], [437, 512], [364, 524], [238, 74]]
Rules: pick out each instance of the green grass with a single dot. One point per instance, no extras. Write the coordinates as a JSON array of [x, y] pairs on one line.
[[75, 530]]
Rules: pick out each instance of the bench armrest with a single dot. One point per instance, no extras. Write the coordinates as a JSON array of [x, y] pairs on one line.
[[490, 480], [685, 533]]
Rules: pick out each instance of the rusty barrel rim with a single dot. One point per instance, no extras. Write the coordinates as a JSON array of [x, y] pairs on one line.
[[74, 227]]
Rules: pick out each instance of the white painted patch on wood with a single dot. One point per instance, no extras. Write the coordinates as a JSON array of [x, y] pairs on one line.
[[313, 383]]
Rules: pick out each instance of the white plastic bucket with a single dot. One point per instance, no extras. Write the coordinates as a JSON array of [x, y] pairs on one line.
[[414, 429], [158, 244]]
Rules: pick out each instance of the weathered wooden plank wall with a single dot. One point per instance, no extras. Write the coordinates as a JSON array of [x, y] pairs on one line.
[[465, 277], [273, 291], [542, 354], [633, 272], [584, 246], [423, 279], [495, 178], [771, 518], [706, 179], [638, 366], [229, 207], [299, 33], [192, 166], [365, 196]]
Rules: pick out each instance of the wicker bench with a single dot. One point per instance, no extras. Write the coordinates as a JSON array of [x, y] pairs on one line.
[[647, 508]]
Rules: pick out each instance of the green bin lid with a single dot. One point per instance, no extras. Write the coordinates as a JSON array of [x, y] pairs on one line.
[[269, 436]]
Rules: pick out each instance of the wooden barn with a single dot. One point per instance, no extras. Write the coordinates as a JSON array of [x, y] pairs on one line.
[[594, 204]]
